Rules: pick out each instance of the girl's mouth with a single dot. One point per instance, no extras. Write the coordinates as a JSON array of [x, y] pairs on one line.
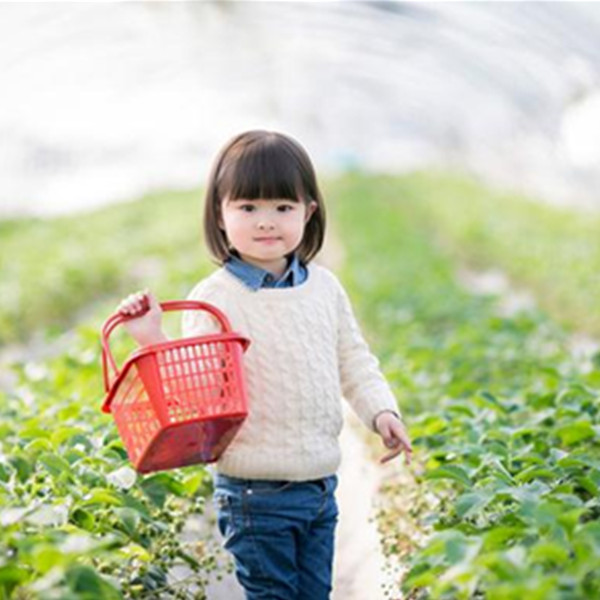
[[267, 240]]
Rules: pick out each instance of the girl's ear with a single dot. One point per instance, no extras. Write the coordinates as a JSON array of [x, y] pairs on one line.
[[311, 207]]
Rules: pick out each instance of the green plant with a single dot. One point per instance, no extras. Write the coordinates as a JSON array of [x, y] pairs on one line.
[[505, 423]]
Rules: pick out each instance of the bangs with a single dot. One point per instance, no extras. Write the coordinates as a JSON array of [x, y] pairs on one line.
[[266, 171]]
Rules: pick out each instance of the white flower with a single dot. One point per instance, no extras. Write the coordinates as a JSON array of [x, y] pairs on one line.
[[124, 477]]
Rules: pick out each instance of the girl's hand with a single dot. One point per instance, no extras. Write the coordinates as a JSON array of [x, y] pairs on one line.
[[145, 327], [392, 431]]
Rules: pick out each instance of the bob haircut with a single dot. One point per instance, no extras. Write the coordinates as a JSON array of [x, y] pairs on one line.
[[264, 165]]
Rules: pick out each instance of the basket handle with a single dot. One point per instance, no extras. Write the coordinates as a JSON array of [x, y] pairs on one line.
[[118, 318]]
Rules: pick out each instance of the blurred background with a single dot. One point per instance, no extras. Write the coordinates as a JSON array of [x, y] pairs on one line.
[[102, 102]]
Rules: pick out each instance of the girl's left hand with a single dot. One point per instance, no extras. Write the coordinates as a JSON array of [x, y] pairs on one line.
[[392, 432]]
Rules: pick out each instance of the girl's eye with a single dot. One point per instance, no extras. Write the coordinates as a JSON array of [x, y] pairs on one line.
[[247, 207], [285, 207]]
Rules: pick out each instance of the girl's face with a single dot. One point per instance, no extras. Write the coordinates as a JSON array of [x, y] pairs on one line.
[[265, 231]]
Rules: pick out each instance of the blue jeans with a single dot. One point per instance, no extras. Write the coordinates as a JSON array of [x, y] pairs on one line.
[[280, 533]]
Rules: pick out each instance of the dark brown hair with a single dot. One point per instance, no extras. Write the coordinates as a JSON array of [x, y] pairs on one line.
[[266, 165]]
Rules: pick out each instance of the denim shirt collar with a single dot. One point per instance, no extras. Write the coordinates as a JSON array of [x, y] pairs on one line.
[[256, 277]]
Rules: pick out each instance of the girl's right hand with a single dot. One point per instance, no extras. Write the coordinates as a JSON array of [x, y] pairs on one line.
[[145, 326]]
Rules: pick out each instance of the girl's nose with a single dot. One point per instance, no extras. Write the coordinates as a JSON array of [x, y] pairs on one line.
[[265, 224]]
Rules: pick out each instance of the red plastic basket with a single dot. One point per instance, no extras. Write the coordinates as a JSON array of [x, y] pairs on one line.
[[180, 402]]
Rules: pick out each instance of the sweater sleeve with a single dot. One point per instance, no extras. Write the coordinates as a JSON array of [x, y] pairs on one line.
[[363, 384], [201, 322]]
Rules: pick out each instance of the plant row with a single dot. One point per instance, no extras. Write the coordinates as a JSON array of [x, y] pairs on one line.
[[552, 250], [505, 423], [76, 521], [53, 268]]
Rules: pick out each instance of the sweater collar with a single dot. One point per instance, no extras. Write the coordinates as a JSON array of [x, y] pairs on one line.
[[256, 277]]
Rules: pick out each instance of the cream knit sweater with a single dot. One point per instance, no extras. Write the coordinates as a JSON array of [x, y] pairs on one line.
[[306, 352]]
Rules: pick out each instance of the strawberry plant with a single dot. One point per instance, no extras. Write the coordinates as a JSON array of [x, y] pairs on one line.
[[506, 424], [77, 520]]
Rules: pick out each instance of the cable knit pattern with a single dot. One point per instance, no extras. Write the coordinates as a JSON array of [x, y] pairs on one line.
[[307, 351]]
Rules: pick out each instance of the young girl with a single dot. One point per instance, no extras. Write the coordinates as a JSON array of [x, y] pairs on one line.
[[264, 221]]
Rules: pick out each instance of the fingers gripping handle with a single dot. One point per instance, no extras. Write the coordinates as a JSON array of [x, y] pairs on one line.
[[117, 319]]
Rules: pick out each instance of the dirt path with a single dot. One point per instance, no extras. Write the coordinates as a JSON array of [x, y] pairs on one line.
[[360, 571], [360, 568]]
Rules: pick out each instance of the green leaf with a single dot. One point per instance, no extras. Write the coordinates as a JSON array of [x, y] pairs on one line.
[[452, 472], [591, 532], [497, 449], [528, 493], [527, 457], [453, 544], [71, 411], [575, 432], [431, 426], [11, 576], [192, 483], [22, 466], [89, 585], [421, 575], [497, 538], [72, 455], [570, 518], [472, 502], [130, 519], [84, 519], [38, 445], [499, 470], [570, 461], [461, 409], [46, 557], [54, 463], [548, 552], [535, 472], [525, 431], [594, 475], [490, 401], [158, 486], [82, 440], [102, 496], [61, 434], [588, 485], [138, 505], [33, 432]]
